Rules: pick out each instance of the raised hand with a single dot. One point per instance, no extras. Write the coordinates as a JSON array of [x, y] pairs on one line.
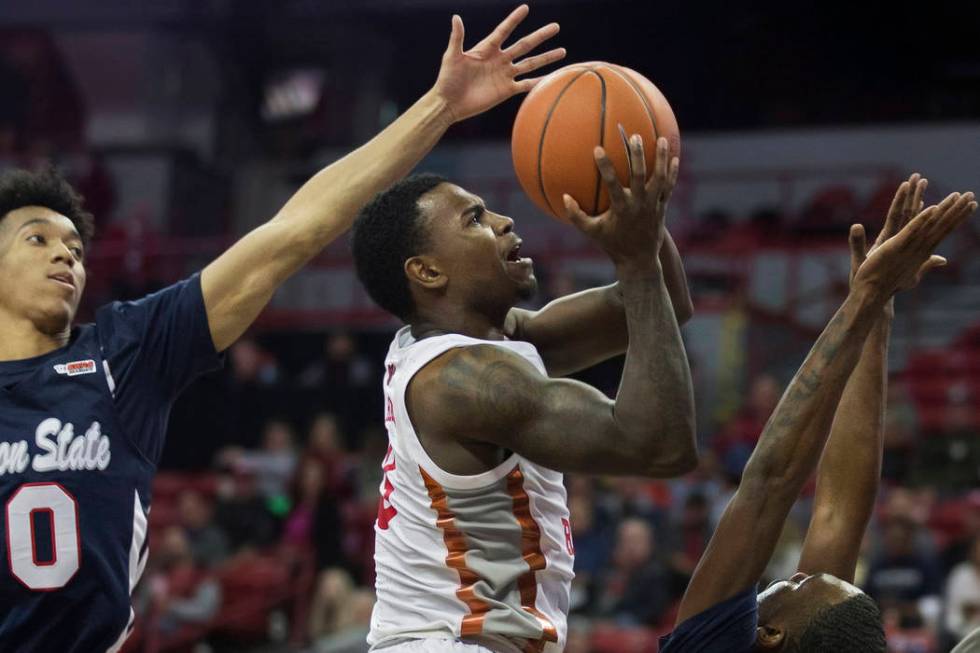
[[899, 261], [633, 227], [906, 203], [475, 80]]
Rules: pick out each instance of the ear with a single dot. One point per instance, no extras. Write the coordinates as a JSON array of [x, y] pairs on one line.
[[425, 271], [769, 638]]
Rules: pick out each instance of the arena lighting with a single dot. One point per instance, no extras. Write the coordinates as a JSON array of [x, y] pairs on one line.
[[292, 94]]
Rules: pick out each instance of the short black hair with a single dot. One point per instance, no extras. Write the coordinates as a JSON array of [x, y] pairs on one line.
[[47, 188], [387, 232], [851, 626]]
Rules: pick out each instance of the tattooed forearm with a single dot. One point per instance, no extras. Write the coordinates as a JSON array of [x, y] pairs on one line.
[[850, 466], [792, 441], [655, 401]]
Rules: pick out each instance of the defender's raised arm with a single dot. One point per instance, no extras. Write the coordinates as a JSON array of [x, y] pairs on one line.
[[239, 284]]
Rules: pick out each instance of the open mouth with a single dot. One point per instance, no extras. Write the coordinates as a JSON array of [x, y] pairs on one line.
[[63, 278], [520, 264]]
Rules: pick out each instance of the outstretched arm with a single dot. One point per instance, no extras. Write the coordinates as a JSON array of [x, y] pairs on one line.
[[794, 437], [580, 330], [489, 395], [239, 284], [850, 469]]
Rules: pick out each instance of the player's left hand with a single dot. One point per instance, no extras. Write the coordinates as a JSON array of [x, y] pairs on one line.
[[906, 203], [633, 227], [475, 80]]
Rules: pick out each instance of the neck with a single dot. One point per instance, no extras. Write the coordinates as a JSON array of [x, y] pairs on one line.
[[454, 319], [22, 339]]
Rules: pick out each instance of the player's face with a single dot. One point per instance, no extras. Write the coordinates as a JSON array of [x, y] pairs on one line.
[[795, 600], [476, 249], [42, 276]]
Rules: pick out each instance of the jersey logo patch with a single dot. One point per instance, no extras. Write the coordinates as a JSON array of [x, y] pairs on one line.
[[76, 368]]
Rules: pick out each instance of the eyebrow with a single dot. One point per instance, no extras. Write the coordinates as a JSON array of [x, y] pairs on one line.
[[46, 221], [476, 209]]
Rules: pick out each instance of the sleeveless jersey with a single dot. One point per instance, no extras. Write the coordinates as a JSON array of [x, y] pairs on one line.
[[81, 430], [485, 557]]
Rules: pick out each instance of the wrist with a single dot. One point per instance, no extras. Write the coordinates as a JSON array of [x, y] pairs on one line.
[[889, 310], [639, 270], [869, 296], [441, 109]]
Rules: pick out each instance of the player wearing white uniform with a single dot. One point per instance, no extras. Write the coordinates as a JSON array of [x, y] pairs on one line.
[[492, 551], [473, 544]]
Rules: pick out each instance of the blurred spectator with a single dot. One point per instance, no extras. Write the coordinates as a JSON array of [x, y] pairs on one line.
[[901, 425], [241, 513], [347, 379], [639, 497], [689, 536], [253, 365], [374, 446], [905, 581], [326, 445], [272, 465], [183, 592], [958, 466], [206, 541], [634, 587], [315, 523], [579, 635], [254, 374], [963, 595], [592, 535], [786, 557], [736, 441], [958, 549]]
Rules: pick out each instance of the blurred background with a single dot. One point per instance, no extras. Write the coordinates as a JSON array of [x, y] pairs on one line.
[[186, 122]]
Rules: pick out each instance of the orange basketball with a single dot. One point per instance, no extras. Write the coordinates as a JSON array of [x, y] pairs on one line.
[[570, 112]]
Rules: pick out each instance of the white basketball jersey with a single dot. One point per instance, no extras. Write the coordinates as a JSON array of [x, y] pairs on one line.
[[487, 557]]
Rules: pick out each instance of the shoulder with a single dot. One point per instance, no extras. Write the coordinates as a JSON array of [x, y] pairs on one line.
[[475, 383], [726, 627], [186, 291]]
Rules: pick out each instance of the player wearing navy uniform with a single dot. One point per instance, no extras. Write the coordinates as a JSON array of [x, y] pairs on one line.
[[83, 428], [818, 610], [84, 409]]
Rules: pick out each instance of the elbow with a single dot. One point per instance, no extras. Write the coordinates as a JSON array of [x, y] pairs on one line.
[[684, 310], [672, 466], [677, 461]]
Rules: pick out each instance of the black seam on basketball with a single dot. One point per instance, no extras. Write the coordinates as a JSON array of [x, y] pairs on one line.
[[602, 140], [544, 130], [643, 99]]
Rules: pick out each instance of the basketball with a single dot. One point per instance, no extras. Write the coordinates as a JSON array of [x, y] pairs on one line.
[[572, 111]]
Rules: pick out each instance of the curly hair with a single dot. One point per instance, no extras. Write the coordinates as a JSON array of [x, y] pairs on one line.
[[47, 188], [387, 232], [851, 626]]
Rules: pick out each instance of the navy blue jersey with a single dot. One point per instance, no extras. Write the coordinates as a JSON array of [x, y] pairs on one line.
[[81, 430], [728, 627]]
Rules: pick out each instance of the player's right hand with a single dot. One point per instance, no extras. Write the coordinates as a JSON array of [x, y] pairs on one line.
[[899, 262], [906, 203], [472, 81], [632, 230]]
